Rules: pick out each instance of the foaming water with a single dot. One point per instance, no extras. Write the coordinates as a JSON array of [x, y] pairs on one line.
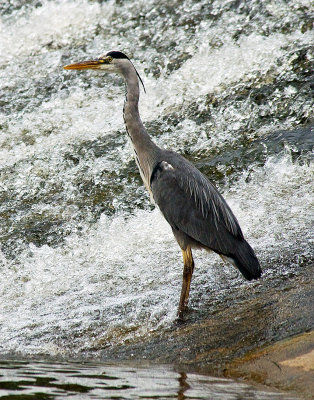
[[86, 262], [210, 69], [28, 31], [93, 281], [126, 279]]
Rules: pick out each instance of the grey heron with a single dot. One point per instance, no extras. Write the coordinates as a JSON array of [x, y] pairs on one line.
[[197, 213]]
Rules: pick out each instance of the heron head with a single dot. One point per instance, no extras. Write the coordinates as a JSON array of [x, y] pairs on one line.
[[114, 62], [110, 62]]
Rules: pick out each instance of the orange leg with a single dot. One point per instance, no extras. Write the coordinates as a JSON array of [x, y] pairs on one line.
[[187, 277]]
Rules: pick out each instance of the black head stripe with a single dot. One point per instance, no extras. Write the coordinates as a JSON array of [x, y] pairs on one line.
[[117, 54], [138, 75]]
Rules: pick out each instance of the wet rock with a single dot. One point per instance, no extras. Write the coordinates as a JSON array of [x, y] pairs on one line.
[[286, 365], [256, 333]]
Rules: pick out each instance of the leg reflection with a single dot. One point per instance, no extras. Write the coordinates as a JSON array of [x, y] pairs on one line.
[[184, 386]]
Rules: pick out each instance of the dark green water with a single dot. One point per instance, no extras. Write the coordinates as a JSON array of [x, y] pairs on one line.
[[23, 380]]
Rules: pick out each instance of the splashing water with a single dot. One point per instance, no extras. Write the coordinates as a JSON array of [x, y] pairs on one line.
[[86, 262]]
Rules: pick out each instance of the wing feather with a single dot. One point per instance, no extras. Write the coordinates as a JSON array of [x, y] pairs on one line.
[[190, 203]]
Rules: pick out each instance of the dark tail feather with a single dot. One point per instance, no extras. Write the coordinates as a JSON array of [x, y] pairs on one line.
[[246, 261]]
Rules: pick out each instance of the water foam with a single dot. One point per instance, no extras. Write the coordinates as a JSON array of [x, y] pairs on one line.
[[29, 30], [211, 70], [116, 281], [120, 277]]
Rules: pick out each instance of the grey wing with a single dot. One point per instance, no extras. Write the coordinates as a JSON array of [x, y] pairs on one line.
[[191, 204]]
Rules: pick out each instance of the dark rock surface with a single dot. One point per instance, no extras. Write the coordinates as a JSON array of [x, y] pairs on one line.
[[257, 335]]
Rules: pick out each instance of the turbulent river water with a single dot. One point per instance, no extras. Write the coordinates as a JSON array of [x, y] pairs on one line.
[[86, 261]]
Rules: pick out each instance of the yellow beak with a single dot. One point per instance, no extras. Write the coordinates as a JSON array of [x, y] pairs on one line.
[[92, 64]]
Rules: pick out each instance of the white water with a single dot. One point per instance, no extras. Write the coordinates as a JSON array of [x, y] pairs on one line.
[[119, 276]]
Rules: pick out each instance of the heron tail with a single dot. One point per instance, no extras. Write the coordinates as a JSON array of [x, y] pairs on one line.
[[246, 261]]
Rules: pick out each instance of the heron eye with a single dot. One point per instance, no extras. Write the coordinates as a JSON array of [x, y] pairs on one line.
[[106, 60]]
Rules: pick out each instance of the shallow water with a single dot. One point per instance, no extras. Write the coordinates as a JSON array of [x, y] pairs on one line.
[[86, 261], [57, 380]]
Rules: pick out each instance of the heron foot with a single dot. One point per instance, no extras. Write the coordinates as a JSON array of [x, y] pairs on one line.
[[182, 312], [179, 321]]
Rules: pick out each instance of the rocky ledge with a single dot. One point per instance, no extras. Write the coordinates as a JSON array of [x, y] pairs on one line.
[[263, 333]]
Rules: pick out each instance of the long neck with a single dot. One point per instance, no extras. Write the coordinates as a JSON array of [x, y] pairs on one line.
[[145, 151]]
